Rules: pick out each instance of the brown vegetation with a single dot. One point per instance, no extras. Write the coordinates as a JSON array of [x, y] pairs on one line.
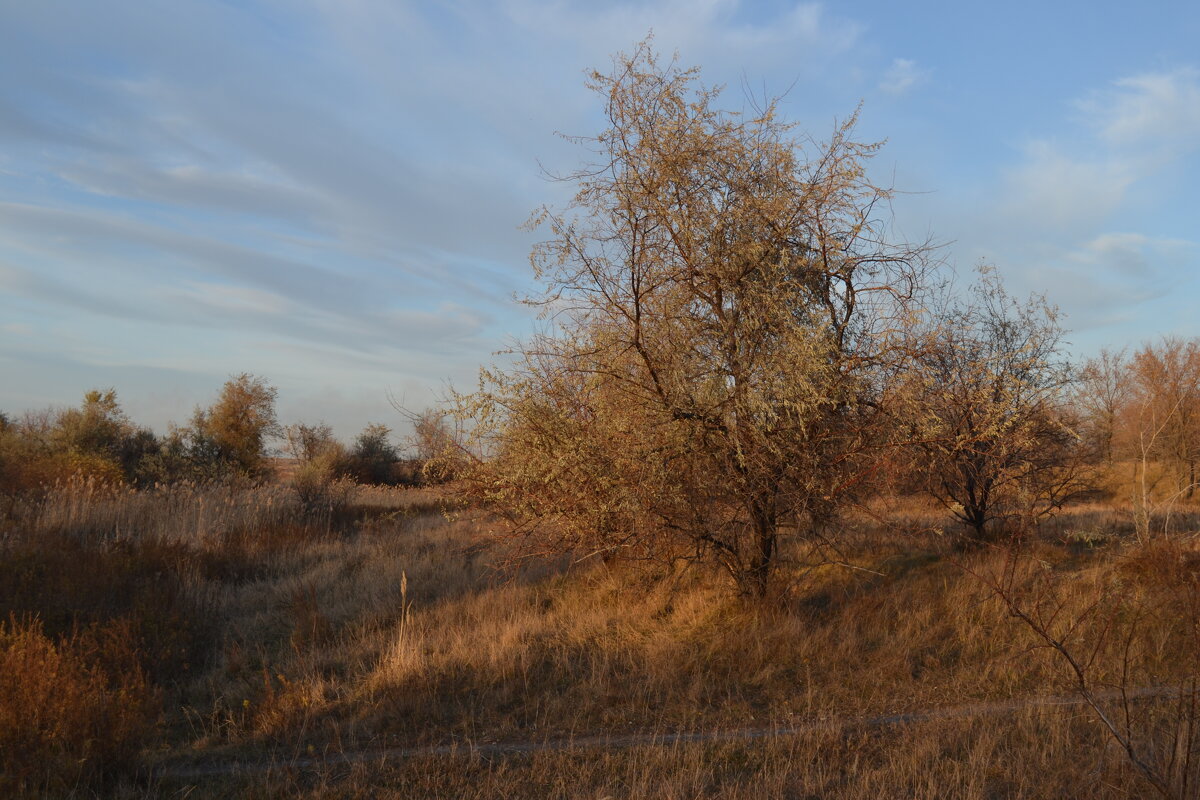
[[746, 386], [269, 633], [729, 316], [993, 435]]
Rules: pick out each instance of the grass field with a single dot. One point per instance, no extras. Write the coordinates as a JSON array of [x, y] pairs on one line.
[[154, 639]]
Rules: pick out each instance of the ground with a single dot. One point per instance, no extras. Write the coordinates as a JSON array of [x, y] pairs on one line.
[[306, 645]]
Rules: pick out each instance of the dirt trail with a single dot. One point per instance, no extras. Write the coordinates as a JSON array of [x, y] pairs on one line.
[[305, 761]]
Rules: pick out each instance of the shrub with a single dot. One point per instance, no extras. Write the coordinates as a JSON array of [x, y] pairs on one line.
[[27, 465], [320, 485], [73, 713], [374, 459]]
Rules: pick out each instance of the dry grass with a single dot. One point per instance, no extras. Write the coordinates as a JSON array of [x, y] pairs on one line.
[[73, 712], [1029, 755], [269, 632]]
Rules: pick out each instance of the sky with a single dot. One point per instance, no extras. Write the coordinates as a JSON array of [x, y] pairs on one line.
[[331, 193]]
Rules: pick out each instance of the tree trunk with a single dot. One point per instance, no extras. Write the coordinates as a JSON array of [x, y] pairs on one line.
[[766, 534], [977, 522]]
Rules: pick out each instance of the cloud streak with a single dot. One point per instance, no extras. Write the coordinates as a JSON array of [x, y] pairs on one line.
[[331, 192]]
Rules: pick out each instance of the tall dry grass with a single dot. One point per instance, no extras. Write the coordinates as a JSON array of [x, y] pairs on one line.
[[269, 632], [75, 711]]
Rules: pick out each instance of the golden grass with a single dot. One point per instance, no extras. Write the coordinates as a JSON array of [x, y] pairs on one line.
[[72, 712], [393, 625]]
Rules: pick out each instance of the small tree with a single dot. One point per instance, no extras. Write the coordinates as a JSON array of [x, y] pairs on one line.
[[234, 430], [1103, 397], [96, 427], [1165, 384], [1118, 633], [436, 445], [728, 316], [100, 429], [305, 442], [996, 439], [373, 457], [431, 436]]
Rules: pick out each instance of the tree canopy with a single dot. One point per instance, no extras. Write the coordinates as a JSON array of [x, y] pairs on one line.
[[726, 314]]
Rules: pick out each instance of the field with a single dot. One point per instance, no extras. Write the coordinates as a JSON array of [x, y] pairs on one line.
[[229, 642]]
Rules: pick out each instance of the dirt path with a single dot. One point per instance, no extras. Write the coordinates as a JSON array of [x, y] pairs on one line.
[[232, 766]]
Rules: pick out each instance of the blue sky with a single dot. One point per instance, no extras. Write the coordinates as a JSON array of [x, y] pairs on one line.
[[329, 193]]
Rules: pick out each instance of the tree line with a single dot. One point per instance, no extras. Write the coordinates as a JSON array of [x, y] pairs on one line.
[[229, 441]]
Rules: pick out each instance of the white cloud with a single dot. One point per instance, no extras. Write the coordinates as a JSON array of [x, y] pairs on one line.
[[1133, 255], [1135, 130], [709, 32], [1151, 109], [1073, 199], [1107, 279], [1052, 189], [901, 76]]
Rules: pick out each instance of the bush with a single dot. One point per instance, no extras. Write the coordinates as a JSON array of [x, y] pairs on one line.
[[28, 465], [73, 713], [94, 442], [320, 485], [374, 458]]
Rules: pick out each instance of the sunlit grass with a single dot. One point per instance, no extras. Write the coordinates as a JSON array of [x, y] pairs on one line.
[[265, 632]]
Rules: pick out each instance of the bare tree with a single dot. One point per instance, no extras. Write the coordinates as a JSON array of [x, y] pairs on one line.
[[1114, 635], [432, 435], [994, 430], [728, 315], [1103, 398], [1165, 383], [305, 442]]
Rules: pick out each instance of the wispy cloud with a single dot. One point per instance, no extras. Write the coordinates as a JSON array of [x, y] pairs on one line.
[[1107, 279], [1153, 109], [1134, 256], [1058, 190], [1132, 131], [331, 191], [902, 76]]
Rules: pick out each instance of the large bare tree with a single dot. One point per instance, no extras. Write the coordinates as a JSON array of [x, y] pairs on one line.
[[726, 317]]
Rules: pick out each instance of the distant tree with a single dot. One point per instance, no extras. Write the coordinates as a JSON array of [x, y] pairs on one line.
[[96, 427], [431, 436], [233, 432], [306, 442], [1103, 395], [436, 444], [996, 438], [100, 429], [1165, 418], [174, 459], [95, 442], [373, 457]]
